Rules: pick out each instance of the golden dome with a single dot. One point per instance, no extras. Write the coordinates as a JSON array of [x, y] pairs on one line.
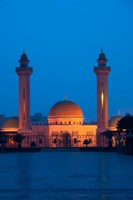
[[114, 120], [65, 109], [11, 123]]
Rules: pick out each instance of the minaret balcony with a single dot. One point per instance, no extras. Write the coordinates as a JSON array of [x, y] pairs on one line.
[[27, 70], [102, 69]]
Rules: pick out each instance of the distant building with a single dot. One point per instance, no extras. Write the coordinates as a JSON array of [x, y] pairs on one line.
[[38, 119], [64, 126]]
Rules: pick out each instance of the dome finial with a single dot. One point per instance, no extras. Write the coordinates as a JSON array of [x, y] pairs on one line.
[[23, 50], [101, 49]]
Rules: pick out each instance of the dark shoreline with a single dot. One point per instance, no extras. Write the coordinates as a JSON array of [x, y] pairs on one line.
[[57, 149]]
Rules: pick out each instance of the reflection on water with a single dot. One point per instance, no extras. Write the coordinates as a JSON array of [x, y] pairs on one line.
[[66, 175]]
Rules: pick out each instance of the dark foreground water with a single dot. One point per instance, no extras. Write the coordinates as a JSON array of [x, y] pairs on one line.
[[66, 175]]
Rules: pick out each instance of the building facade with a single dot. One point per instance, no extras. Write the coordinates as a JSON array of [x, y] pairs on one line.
[[64, 126]]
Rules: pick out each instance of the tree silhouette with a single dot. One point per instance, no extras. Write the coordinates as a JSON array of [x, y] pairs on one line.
[[125, 124], [33, 144], [87, 142], [18, 139], [108, 134], [3, 141]]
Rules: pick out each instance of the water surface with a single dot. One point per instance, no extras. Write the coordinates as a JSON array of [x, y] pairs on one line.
[[66, 175]]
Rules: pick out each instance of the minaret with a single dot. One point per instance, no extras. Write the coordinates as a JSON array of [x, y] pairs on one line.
[[102, 72], [24, 73]]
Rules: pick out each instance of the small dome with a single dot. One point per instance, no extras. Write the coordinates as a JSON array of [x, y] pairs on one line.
[[65, 109], [113, 121], [23, 57], [102, 56], [11, 123]]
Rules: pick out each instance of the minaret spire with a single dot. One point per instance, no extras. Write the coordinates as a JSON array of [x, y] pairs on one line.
[[65, 97], [102, 71], [119, 113], [24, 72]]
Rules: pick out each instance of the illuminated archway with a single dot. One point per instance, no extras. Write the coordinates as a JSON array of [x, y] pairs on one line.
[[65, 139]]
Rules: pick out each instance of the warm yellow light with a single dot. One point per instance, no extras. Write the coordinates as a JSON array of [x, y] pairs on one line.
[[9, 129], [102, 99], [11, 142]]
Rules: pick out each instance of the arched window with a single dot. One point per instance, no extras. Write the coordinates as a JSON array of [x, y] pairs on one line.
[[75, 140], [40, 141]]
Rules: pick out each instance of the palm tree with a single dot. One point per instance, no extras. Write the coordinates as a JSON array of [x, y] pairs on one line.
[[18, 138]]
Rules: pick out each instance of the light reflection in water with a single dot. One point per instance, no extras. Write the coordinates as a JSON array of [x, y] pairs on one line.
[[66, 175], [103, 178]]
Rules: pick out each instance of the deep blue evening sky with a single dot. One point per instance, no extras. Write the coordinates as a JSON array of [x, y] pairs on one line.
[[63, 39]]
